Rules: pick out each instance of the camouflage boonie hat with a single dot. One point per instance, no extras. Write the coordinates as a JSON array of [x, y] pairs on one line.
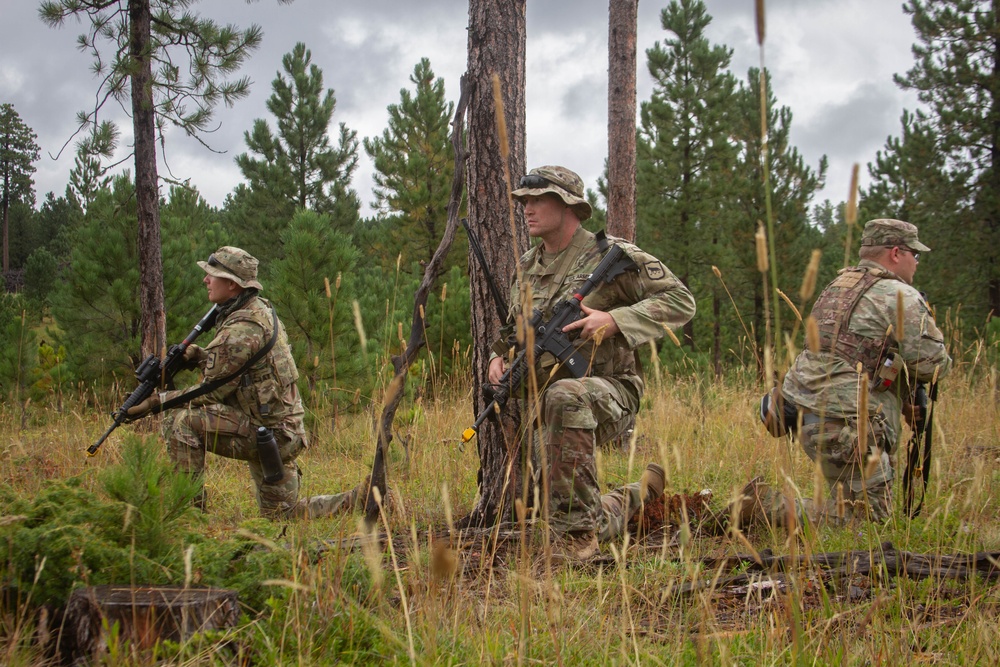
[[560, 181], [235, 264], [888, 232]]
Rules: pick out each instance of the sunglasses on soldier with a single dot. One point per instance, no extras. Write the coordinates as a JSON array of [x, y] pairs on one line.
[[212, 261], [916, 255], [534, 182]]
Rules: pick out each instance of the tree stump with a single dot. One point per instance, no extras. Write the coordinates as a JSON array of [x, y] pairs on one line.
[[145, 615]]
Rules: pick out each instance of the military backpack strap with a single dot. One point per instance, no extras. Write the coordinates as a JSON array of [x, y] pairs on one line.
[[208, 387]]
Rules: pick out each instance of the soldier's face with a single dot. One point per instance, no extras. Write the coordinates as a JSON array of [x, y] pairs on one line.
[[544, 215], [220, 290], [906, 263]]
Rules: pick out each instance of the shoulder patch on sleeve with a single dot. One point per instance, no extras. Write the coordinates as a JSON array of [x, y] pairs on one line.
[[655, 270]]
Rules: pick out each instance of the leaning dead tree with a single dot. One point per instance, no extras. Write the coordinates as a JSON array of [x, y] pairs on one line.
[[401, 363], [622, 15]]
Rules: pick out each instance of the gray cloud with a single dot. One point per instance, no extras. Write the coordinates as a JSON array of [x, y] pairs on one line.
[[367, 51]]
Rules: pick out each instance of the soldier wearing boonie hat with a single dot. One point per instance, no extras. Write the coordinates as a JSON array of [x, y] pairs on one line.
[[558, 181], [858, 321], [580, 413], [224, 421], [234, 264]]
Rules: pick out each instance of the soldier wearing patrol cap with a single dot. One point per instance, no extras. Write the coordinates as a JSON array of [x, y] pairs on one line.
[[859, 328], [579, 414], [224, 421]]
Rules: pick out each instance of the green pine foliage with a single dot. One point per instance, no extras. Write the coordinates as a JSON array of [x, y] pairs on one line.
[[17, 346], [792, 183], [684, 155], [96, 303], [912, 179], [414, 164], [957, 79], [316, 255], [297, 167], [18, 152], [68, 536], [190, 234]]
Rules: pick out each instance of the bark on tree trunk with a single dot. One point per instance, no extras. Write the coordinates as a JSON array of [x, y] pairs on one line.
[[993, 215], [496, 47], [623, 15], [151, 306], [6, 224]]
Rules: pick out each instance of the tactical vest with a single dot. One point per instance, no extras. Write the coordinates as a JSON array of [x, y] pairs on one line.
[[267, 391], [832, 312]]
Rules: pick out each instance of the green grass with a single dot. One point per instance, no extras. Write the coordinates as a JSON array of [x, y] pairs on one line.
[[368, 605]]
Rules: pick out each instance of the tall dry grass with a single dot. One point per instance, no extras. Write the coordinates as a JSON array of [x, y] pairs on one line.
[[430, 602]]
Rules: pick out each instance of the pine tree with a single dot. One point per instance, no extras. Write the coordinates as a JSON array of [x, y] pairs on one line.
[[684, 154], [297, 168], [413, 169], [315, 254], [793, 185], [911, 180], [957, 78], [96, 301], [18, 152], [138, 47]]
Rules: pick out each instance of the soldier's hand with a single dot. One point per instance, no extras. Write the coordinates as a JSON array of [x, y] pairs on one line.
[[594, 323], [194, 354], [144, 407], [495, 370], [914, 415]]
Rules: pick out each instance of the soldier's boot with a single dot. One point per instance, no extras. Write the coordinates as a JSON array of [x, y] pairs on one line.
[[575, 547], [316, 507], [652, 482], [757, 505]]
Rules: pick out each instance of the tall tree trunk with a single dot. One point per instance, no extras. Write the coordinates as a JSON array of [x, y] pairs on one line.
[[993, 191], [153, 315], [6, 223], [496, 47], [623, 15]]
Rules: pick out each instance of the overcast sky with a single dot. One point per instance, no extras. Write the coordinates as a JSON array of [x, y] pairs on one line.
[[832, 63]]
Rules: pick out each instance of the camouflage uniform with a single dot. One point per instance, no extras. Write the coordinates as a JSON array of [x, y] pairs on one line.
[[579, 414], [224, 421], [824, 385]]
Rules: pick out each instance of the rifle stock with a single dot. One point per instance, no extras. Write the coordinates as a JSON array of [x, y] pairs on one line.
[[152, 374]]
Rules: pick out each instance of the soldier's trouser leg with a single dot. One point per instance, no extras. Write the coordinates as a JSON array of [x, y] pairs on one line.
[[226, 431], [865, 488], [575, 414]]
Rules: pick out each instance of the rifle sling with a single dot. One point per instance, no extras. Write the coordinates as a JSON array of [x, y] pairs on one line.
[[207, 387]]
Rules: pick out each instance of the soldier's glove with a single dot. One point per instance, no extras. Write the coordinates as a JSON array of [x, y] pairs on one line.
[[195, 354], [144, 408], [914, 415]]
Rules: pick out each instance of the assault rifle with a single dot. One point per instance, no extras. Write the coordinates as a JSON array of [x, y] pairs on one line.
[[153, 374], [549, 336], [923, 429]]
